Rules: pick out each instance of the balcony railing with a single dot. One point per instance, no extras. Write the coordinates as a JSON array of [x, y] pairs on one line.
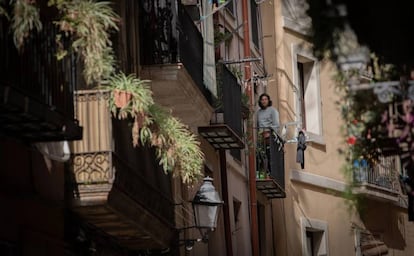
[[270, 166], [108, 174], [229, 101], [169, 36], [37, 89], [36, 71], [383, 175]]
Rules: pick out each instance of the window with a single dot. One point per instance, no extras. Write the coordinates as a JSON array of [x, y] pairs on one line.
[[308, 100], [314, 237], [255, 24]]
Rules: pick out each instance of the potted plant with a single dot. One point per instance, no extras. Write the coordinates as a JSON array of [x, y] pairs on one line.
[[245, 106], [177, 149], [130, 98], [89, 23]]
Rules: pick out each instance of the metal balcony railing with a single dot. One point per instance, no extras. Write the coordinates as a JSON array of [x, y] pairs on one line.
[[35, 70], [229, 102], [384, 174], [270, 166], [168, 36], [105, 158]]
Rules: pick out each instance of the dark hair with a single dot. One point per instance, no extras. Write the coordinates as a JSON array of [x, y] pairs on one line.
[[268, 97]]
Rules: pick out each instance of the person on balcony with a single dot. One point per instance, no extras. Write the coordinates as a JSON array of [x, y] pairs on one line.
[[268, 126], [267, 116]]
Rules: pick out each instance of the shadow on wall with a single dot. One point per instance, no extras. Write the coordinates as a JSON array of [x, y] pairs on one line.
[[387, 223]]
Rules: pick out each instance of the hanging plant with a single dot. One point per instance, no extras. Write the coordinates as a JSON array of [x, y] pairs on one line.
[[137, 105], [89, 23], [25, 19], [3, 11], [177, 149]]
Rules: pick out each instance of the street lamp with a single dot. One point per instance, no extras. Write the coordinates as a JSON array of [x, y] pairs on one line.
[[206, 205]]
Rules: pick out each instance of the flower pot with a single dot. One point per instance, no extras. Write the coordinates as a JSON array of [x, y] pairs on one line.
[[121, 98]]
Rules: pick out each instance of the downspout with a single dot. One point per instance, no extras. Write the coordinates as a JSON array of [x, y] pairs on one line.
[[251, 146], [225, 196]]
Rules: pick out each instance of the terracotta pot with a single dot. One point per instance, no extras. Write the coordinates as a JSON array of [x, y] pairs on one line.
[[121, 98]]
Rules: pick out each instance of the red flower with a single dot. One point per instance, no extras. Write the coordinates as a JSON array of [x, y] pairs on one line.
[[351, 140]]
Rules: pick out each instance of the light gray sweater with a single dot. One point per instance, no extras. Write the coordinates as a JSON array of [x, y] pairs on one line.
[[268, 118]]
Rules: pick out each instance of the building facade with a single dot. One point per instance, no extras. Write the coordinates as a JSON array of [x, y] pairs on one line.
[[315, 218], [74, 184]]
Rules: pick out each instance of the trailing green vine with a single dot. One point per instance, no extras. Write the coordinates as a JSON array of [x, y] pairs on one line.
[[3, 11], [25, 19], [177, 149], [89, 23], [365, 135]]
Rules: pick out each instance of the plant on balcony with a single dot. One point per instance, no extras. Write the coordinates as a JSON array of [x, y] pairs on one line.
[[89, 23], [176, 147], [25, 19], [3, 12], [368, 132]]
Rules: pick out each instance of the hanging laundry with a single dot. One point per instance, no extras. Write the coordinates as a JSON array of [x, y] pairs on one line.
[[300, 151]]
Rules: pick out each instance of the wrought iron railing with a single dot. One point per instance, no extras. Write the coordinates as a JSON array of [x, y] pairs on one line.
[[148, 195], [35, 70], [270, 159], [105, 156], [168, 35], [384, 174], [229, 101]]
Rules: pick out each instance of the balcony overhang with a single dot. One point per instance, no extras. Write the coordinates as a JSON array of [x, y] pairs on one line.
[[26, 119], [173, 88], [221, 136], [376, 192], [270, 188], [119, 205]]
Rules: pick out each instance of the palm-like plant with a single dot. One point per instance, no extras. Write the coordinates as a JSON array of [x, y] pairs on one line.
[[25, 19], [89, 23], [176, 147]]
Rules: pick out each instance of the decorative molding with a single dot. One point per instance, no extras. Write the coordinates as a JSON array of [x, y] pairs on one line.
[[317, 180], [92, 168]]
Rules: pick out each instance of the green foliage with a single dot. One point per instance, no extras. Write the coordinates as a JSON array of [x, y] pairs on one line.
[[3, 11], [89, 23], [141, 95], [220, 37], [354, 202], [363, 132], [176, 147], [25, 19]]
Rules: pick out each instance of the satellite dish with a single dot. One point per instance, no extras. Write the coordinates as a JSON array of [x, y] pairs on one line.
[[55, 150]]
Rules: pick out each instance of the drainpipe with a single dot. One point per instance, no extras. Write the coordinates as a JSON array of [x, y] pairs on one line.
[[226, 211], [251, 146]]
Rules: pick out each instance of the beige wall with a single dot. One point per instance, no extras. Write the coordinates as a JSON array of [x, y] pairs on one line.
[[319, 196]]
